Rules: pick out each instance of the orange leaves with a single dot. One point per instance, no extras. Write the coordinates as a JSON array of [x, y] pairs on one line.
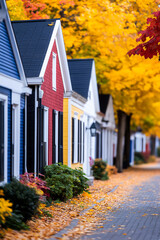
[[35, 9], [64, 213]]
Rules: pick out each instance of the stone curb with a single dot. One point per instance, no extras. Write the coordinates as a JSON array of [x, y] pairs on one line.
[[75, 221]]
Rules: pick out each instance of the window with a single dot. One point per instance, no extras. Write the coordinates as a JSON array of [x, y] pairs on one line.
[[54, 72], [57, 139], [14, 165], [45, 135], [3, 138], [77, 140], [89, 95]]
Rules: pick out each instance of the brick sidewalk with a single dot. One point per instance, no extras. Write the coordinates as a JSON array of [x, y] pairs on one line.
[[137, 219]]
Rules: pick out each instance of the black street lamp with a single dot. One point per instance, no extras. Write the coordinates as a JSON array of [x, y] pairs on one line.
[[93, 130]]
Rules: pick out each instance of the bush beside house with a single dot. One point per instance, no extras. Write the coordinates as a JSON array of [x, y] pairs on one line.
[[64, 181], [21, 200], [99, 170], [24, 204]]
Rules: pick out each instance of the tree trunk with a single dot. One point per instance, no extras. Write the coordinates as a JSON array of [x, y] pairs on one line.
[[120, 142], [126, 156]]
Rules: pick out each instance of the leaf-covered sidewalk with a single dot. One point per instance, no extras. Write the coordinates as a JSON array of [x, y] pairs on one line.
[[64, 213]]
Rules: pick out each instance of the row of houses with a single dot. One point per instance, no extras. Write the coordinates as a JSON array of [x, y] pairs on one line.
[[50, 108]]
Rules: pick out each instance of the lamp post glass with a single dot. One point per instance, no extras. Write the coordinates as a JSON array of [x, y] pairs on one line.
[[93, 130]]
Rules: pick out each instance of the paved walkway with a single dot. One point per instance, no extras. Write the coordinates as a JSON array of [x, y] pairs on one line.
[[137, 219]]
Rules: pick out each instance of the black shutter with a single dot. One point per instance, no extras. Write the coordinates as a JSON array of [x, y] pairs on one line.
[[73, 126], [31, 148], [53, 137], [1, 141], [97, 145], [83, 129], [39, 140], [80, 146], [78, 142], [60, 137], [101, 145]]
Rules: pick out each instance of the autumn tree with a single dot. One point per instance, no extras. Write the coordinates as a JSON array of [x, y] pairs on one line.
[[106, 30], [16, 9]]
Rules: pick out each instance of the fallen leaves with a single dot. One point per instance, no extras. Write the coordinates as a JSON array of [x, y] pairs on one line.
[[64, 213], [144, 215]]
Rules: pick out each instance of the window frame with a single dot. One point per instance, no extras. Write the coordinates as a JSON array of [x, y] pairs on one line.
[[54, 71]]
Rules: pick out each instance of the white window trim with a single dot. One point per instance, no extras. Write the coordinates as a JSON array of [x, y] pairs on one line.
[[15, 124], [45, 131], [54, 74], [5, 99]]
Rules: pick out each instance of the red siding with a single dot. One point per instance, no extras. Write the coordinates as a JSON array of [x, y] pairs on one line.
[[52, 99]]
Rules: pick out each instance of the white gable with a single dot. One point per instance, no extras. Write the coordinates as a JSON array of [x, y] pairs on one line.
[[92, 105], [58, 37], [109, 114]]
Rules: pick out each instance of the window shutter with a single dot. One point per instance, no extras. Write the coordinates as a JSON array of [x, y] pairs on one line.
[[40, 140], [73, 126], [60, 137], [81, 142], [83, 137], [53, 137], [97, 145], [78, 141], [101, 146]]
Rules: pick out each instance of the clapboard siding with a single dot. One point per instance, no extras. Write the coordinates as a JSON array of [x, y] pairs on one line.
[[7, 61], [22, 128], [7, 92]]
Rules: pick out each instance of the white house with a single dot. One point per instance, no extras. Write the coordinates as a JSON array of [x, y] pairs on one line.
[[109, 135]]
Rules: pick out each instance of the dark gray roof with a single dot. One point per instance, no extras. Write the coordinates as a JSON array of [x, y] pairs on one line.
[[33, 38], [80, 73], [104, 100]]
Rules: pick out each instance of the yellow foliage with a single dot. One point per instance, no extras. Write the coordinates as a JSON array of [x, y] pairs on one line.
[[16, 10], [5, 208], [106, 31]]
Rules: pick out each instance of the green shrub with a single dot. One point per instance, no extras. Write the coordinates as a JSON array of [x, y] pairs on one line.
[[65, 182], [79, 182], [139, 156], [24, 199], [158, 151], [15, 221], [99, 170], [59, 179], [137, 160]]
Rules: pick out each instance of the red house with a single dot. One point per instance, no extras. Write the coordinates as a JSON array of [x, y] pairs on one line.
[[42, 50]]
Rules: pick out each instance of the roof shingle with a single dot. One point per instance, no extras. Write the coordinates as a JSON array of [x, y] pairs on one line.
[[80, 73], [33, 38]]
